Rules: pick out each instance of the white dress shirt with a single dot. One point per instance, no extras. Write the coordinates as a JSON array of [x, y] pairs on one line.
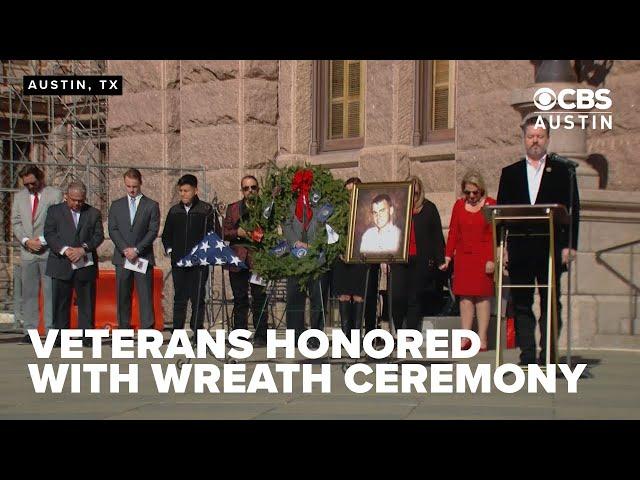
[[76, 219], [534, 177], [32, 197], [381, 240]]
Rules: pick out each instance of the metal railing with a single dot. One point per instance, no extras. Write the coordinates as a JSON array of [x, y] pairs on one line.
[[634, 288]]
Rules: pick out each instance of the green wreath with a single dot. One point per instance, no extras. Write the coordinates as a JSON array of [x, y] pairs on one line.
[[268, 212]]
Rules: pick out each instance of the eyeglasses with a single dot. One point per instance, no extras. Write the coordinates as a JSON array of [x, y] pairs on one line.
[[471, 192], [29, 184], [253, 188]]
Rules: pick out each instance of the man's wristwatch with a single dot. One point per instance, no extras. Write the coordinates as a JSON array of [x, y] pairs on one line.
[[86, 247]]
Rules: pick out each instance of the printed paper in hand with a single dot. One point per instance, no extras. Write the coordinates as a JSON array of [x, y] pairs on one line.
[[85, 261], [140, 265], [258, 280]]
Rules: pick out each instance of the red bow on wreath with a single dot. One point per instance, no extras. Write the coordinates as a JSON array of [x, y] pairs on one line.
[[257, 234], [301, 183]]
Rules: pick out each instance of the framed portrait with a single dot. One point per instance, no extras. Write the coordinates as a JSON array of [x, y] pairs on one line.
[[379, 223]]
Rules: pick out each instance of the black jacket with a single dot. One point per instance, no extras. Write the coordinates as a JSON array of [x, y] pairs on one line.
[[60, 232], [429, 245], [182, 230], [554, 188]]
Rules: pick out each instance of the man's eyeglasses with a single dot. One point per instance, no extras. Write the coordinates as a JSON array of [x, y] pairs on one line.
[[253, 188], [30, 184], [471, 192]]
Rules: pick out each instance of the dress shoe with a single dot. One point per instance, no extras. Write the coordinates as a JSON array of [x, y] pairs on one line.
[[524, 363], [86, 342], [313, 344], [26, 340]]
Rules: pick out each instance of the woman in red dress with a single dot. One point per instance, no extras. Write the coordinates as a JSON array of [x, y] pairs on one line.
[[470, 242]]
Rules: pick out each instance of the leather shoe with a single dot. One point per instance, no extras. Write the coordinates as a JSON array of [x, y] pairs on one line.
[[26, 340], [313, 344]]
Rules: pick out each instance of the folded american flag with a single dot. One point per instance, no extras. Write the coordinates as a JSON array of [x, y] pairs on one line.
[[211, 250]]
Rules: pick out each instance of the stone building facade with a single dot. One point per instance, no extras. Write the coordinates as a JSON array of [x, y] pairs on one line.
[[223, 119]]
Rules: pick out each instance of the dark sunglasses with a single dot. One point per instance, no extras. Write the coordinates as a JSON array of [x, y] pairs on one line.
[[250, 187], [469, 192]]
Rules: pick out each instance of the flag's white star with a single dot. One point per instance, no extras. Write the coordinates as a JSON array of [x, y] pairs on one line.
[[205, 246], [203, 261], [235, 260], [193, 250], [188, 263], [220, 261], [220, 244], [180, 263]]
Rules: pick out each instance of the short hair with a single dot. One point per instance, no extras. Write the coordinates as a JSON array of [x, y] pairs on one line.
[[354, 180], [78, 186], [531, 122], [188, 179], [380, 197], [475, 178], [248, 176], [31, 170], [133, 173]]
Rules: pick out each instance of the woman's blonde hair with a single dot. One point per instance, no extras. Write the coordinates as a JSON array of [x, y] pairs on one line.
[[474, 177], [417, 181]]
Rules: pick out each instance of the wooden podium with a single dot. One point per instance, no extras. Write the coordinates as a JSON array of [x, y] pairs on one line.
[[506, 221]]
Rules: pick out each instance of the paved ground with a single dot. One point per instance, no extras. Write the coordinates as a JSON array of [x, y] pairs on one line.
[[613, 392]]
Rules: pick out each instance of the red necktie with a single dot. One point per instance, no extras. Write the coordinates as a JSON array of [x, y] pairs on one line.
[[35, 207]]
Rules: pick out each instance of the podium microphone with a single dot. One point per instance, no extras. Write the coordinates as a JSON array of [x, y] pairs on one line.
[[566, 161]]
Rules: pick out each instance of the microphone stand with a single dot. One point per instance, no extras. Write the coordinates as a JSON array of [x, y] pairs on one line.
[[571, 167], [223, 290]]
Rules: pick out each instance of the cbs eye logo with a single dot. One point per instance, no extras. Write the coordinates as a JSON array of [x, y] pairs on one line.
[[582, 99], [545, 99]]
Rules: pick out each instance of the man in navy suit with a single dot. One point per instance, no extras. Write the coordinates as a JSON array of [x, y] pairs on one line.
[[73, 231], [537, 179], [134, 222]]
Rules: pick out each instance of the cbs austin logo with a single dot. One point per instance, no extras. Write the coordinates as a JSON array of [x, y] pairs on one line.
[[591, 108]]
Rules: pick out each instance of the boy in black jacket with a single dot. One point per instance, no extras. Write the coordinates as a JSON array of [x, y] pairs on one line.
[[187, 223]]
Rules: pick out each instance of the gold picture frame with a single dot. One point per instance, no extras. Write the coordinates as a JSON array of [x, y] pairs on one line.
[[379, 222]]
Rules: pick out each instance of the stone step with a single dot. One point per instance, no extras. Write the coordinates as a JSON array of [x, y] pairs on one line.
[[616, 341]]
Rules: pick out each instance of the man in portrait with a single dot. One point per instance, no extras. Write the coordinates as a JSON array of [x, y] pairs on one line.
[[384, 237]]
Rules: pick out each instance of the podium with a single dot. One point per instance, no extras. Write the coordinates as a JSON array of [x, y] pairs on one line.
[[508, 221]]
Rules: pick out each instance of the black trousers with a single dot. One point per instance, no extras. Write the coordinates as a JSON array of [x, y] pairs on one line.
[[406, 283], [296, 300], [62, 291], [528, 263], [144, 287], [370, 309], [189, 284], [240, 286]]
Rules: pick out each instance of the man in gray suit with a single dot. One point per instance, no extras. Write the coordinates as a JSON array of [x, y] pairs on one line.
[[28, 213], [134, 221]]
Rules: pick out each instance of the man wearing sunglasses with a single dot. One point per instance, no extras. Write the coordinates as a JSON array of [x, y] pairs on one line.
[[240, 278], [28, 213]]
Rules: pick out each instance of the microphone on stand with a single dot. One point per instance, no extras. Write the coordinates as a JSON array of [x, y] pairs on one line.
[[568, 162]]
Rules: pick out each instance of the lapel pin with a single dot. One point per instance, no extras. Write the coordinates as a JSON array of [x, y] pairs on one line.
[[548, 169]]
